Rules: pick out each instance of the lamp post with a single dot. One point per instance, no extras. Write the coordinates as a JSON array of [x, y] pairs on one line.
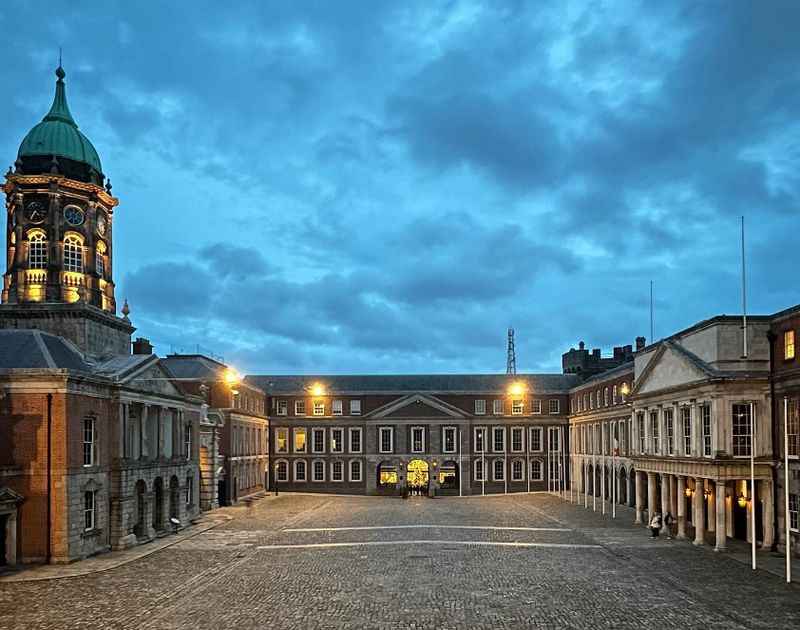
[[276, 479]]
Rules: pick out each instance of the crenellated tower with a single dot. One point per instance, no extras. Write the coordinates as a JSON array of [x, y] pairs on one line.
[[59, 238]]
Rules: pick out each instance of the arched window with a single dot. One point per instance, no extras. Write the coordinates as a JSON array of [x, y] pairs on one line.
[[100, 258], [73, 254], [37, 250]]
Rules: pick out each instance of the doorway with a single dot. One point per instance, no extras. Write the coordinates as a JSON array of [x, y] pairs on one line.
[[418, 476]]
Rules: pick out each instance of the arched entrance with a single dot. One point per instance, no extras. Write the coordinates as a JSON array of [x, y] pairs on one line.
[[448, 477], [388, 478], [623, 487], [418, 475], [174, 497]]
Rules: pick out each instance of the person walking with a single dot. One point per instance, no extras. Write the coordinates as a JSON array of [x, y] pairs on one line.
[[655, 525], [668, 522]]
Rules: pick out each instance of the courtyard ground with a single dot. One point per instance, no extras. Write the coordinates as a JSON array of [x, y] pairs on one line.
[[305, 561]]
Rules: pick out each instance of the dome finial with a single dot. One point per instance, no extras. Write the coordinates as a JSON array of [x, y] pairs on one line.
[[60, 71]]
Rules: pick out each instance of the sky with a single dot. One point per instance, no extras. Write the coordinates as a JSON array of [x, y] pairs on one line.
[[386, 187]]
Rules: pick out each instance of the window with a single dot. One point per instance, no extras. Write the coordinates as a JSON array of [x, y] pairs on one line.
[[614, 397], [478, 468], [555, 405], [585, 404], [655, 442], [387, 475], [788, 345], [355, 470], [536, 406], [282, 470], [319, 408], [37, 251], [337, 407], [622, 391], [299, 407], [598, 399], [742, 430], [793, 428], [705, 419], [386, 439], [516, 440], [283, 407], [794, 502], [480, 407], [605, 396], [497, 407], [300, 470], [535, 439], [355, 439], [591, 401], [640, 431], [686, 417], [417, 439], [536, 470], [318, 470], [517, 407], [498, 470], [670, 429], [337, 471], [187, 440], [99, 259], [317, 440], [355, 407], [189, 490], [89, 510], [517, 470], [499, 439], [449, 440], [480, 433], [337, 440], [73, 254], [281, 441], [89, 442], [554, 439], [300, 440]]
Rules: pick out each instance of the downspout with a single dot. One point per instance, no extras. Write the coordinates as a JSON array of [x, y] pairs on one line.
[[49, 550], [771, 337]]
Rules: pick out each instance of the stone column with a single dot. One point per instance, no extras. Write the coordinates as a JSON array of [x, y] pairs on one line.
[[639, 488], [651, 496], [144, 433], [720, 495], [122, 442], [711, 526], [767, 514], [680, 498], [673, 495], [585, 484], [665, 483], [697, 512]]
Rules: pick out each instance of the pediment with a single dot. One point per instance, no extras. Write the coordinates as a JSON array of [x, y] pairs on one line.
[[671, 367], [154, 379], [418, 406]]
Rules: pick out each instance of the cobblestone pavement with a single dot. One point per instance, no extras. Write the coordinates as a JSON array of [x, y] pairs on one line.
[[302, 561]]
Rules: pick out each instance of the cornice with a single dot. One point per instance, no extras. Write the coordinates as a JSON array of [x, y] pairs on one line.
[[64, 182]]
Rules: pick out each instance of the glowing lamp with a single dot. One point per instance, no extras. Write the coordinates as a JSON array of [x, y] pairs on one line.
[[688, 492], [742, 500], [625, 389], [516, 389], [231, 377], [318, 389]]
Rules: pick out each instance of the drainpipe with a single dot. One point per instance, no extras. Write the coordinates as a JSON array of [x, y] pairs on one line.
[[48, 553], [771, 337]]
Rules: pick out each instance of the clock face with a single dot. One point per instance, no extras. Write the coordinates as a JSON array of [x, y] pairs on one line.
[[101, 223], [35, 212], [73, 215]]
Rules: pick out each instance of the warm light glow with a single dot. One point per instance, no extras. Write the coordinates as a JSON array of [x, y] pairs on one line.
[[742, 501], [625, 389], [231, 377], [317, 389], [688, 492], [516, 389]]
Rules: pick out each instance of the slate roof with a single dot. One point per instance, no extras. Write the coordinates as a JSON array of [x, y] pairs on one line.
[[193, 366], [405, 383], [34, 349], [120, 365]]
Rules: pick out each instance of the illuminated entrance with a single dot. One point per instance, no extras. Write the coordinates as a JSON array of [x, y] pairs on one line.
[[418, 473]]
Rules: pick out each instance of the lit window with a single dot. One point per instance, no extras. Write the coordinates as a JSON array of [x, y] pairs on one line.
[[337, 440], [355, 407], [535, 439], [318, 470], [517, 470], [449, 440], [517, 407], [497, 407], [300, 440], [88, 442], [37, 251], [99, 258], [337, 471], [73, 254], [300, 470], [536, 406], [355, 470], [337, 407], [317, 440], [283, 407], [742, 430], [89, 510], [281, 440], [386, 439], [299, 407], [355, 439], [480, 407], [788, 345], [387, 475], [319, 408], [417, 439], [555, 405]]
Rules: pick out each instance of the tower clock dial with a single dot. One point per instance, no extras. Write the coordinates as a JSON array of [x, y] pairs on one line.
[[35, 212], [73, 215], [101, 224]]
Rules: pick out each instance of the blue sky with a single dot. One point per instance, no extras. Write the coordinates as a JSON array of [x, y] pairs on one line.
[[386, 187]]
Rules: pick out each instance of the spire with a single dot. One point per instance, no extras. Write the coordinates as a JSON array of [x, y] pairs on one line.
[[60, 109]]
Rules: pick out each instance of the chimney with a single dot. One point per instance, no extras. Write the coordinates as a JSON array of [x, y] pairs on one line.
[[640, 342], [596, 352], [581, 345], [618, 352], [142, 346]]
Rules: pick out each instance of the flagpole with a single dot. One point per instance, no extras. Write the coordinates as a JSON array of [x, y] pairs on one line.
[[549, 486], [753, 484], [744, 299], [528, 458], [483, 463], [460, 463], [613, 474], [788, 541]]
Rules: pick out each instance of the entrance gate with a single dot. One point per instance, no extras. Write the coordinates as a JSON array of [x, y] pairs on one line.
[[418, 476]]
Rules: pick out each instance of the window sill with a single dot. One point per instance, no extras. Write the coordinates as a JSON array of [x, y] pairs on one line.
[[91, 533]]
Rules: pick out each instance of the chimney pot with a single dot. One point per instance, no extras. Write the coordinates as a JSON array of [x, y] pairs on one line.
[[142, 346]]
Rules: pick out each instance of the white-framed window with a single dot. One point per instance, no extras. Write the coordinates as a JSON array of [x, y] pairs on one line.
[[536, 406], [299, 407], [793, 427], [337, 408], [655, 441], [355, 439], [189, 491], [536, 470], [337, 440], [37, 250], [300, 472], [319, 408], [794, 504], [498, 470], [614, 396], [385, 439], [555, 405], [187, 440], [89, 510], [73, 254], [517, 407], [356, 474], [591, 400], [640, 431], [535, 439], [337, 471], [283, 407], [499, 439], [742, 429], [686, 423], [417, 439], [300, 440], [281, 440], [282, 470], [477, 469], [480, 407], [517, 470], [517, 444], [497, 407], [89, 442], [705, 428], [355, 407], [317, 440], [788, 345], [99, 262], [318, 470], [585, 402], [480, 439], [623, 387], [669, 424], [449, 436], [554, 439]]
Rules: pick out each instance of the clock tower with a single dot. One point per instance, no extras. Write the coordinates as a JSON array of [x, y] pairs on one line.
[[59, 238]]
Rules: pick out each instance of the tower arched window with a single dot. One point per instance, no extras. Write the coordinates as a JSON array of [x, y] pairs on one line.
[[100, 259], [37, 250], [73, 254]]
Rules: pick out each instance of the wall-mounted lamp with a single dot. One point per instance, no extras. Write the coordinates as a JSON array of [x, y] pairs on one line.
[[742, 500], [688, 492]]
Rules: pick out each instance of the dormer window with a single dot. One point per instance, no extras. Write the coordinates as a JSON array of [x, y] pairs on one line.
[[73, 254], [37, 250]]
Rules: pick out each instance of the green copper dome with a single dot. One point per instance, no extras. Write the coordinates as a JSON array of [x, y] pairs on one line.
[[58, 133]]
